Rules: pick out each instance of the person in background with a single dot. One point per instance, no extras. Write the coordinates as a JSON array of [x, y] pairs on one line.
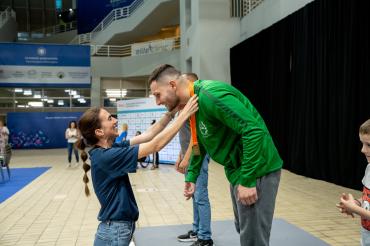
[[4, 137], [201, 233], [361, 206], [123, 136], [155, 155], [112, 162], [72, 134]]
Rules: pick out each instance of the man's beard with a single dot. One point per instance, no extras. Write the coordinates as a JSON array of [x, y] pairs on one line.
[[174, 105]]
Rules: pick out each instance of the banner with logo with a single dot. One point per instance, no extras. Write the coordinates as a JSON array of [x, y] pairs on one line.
[[139, 114], [92, 12], [39, 130], [152, 47], [44, 65]]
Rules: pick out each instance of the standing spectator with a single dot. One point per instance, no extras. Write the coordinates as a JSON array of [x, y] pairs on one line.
[[4, 137], [123, 136], [361, 206], [155, 155], [72, 135]]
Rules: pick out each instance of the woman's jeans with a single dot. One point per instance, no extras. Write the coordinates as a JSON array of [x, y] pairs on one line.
[[70, 148], [114, 233]]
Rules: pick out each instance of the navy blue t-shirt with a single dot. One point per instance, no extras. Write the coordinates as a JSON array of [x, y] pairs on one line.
[[109, 172]]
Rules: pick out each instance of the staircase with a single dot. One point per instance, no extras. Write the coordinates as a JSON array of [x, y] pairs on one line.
[[126, 25]]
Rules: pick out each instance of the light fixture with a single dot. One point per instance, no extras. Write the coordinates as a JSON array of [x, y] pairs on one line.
[[27, 92], [36, 104], [60, 102], [112, 99], [18, 90], [50, 100]]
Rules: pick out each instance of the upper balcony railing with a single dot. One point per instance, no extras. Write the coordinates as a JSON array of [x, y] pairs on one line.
[[48, 31], [6, 15], [136, 49], [240, 8], [115, 14]]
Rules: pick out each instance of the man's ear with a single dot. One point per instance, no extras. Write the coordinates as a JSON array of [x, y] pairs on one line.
[[99, 132], [173, 84]]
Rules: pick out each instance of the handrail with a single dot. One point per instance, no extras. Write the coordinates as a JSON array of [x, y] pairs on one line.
[[6, 15], [240, 8], [65, 27], [115, 14], [135, 49]]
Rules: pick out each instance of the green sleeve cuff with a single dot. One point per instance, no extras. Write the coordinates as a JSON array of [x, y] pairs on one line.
[[191, 177], [249, 182]]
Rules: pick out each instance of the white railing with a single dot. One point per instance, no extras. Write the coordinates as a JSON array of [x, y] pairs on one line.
[[240, 8], [51, 30], [136, 49], [249, 5], [115, 14], [6, 15]]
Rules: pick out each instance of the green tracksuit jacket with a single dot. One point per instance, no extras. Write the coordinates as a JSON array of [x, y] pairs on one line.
[[233, 133]]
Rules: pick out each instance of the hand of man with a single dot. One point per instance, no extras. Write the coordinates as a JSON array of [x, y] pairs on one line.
[[247, 196], [189, 190]]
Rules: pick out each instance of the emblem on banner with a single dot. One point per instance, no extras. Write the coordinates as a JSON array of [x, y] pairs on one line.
[[41, 51]]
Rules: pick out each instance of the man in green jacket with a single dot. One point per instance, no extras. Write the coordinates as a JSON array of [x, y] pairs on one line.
[[232, 132]]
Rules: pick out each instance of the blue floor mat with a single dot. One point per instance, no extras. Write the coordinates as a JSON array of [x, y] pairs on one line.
[[19, 178], [224, 234]]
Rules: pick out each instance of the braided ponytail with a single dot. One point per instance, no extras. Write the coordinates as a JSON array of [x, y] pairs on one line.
[[87, 124], [86, 167]]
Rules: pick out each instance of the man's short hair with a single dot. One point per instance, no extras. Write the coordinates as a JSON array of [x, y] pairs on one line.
[[365, 128], [161, 71], [192, 76]]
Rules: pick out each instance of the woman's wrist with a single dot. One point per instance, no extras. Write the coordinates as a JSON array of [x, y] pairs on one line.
[[358, 202]]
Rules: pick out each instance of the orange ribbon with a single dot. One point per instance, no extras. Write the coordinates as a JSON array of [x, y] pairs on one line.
[[193, 128]]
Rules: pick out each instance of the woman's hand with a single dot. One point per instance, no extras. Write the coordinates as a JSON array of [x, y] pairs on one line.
[[191, 107]]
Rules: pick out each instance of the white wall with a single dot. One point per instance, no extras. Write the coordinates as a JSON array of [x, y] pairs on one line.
[[268, 13], [209, 38], [132, 66]]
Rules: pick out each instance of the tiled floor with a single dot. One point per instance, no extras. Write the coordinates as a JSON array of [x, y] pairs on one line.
[[53, 209]]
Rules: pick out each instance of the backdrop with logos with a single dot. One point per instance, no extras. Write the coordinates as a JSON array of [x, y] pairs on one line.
[[44, 130], [138, 114]]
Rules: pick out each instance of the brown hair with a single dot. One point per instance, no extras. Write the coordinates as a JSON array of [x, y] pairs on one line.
[[192, 76], [87, 124], [161, 71], [365, 127]]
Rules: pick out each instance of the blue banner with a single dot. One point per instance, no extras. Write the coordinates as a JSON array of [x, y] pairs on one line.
[[39, 130], [92, 12], [43, 65]]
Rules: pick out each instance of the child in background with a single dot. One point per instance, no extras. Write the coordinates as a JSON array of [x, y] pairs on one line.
[[361, 206]]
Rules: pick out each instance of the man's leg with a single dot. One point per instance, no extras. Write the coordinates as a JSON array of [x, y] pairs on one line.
[[202, 208], [254, 222]]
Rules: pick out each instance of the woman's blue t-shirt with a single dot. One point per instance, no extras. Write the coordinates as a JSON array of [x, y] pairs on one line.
[[109, 172]]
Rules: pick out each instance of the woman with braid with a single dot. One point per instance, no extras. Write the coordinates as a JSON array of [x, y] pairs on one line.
[[111, 162]]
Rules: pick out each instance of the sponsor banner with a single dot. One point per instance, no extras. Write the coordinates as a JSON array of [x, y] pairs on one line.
[[44, 65], [39, 130], [138, 114], [152, 47]]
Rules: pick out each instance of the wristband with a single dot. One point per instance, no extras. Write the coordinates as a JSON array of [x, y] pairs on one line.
[[358, 202]]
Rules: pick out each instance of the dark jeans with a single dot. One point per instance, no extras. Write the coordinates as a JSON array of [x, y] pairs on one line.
[[70, 148]]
